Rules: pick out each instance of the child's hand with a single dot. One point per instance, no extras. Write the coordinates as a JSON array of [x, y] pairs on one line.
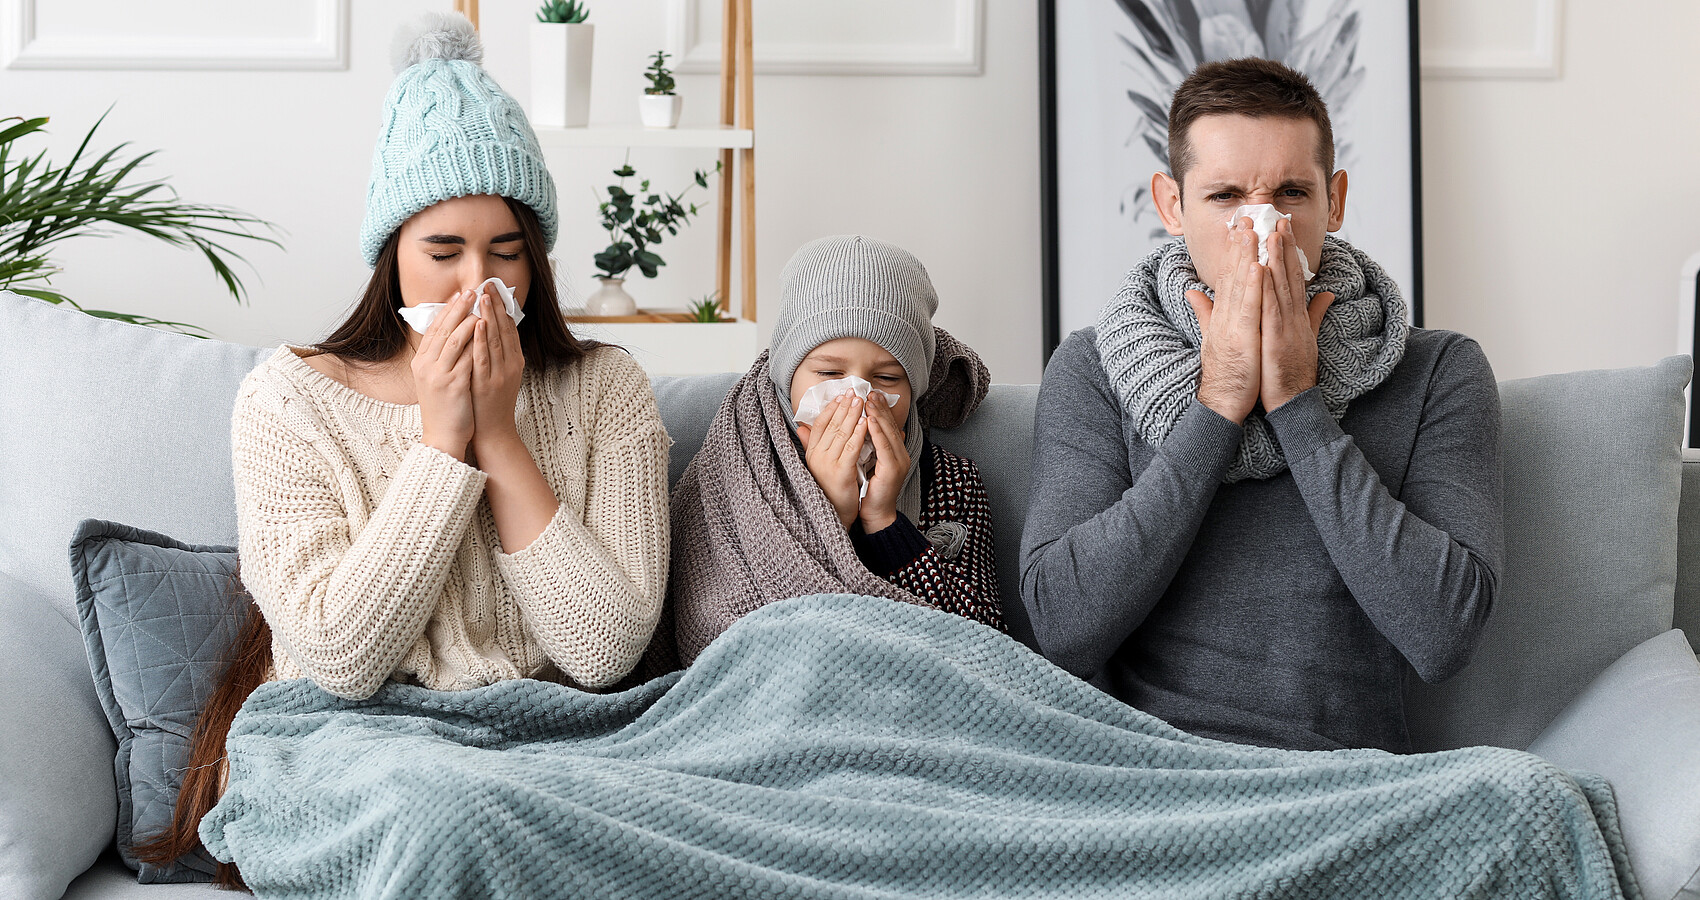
[[830, 449], [891, 467]]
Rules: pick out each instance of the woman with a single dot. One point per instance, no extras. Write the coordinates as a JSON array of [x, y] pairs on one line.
[[454, 504], [773, 508]]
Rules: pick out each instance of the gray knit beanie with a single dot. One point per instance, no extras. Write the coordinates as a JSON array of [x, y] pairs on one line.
[[853, 286]]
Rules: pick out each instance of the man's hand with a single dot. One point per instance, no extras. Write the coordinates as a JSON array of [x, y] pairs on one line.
[[1289, 327], [830, 448], [1232, 329]]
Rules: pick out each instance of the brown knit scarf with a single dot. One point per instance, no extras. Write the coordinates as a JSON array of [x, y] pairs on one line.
[[750, 523]]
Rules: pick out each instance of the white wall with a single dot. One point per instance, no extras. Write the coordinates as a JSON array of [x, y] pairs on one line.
[[943, 165], [1557, 212], [946, 166]]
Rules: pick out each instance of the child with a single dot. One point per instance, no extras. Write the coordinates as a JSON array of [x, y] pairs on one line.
[[771, 508]]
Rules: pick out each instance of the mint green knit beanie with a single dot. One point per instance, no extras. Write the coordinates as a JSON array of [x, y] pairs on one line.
[[449, 131]]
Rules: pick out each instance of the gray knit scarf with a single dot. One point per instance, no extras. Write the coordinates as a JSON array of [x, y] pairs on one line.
[[1149, 339], [750, 523]]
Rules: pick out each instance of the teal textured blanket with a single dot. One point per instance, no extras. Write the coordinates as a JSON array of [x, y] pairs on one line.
[[839, 746]]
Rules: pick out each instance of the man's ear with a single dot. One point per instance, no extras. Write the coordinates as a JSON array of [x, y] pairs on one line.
[[1166, 196], [1337, 200]]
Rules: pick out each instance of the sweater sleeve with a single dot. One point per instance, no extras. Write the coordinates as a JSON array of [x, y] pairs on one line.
[[346, 607], [590, 586], [967, 583], [1103, 541], [1423, 566]]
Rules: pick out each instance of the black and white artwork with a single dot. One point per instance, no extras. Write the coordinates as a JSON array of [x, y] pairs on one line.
[[1110, 69]]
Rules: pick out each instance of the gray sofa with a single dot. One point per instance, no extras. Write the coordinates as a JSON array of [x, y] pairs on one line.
[[110, 421]]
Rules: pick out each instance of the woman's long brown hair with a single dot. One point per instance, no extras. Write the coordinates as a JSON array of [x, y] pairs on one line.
[[372, 333], [203, 774]]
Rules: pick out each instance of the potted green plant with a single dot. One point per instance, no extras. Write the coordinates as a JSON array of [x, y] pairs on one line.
[[562, 44], [635, 223], [707, 309], [659, 106], [42, 204]]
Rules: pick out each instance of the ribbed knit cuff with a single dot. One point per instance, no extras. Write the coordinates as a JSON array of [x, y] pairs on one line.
[[891, 548], [1203, 442], [1303, 424], [436, 488]]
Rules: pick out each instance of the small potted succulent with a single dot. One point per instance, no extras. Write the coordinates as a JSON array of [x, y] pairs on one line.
[[659, 106], [562, 44], [635, 222], [707, 309]]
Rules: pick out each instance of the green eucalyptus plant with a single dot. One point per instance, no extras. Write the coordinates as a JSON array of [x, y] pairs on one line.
[[660, 77], [635, 221], [563, 12], [42, 204], [707, 309]]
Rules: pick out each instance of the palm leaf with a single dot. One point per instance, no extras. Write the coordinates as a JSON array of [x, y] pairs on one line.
[[1185, 17], [1155, 114], [1155, 36], [42, 204], [1281, 19]]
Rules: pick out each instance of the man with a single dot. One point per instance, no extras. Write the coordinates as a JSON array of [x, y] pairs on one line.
[[1258, 499]]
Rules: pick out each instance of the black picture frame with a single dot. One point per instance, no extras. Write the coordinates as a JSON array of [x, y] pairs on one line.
[[1054, 231]]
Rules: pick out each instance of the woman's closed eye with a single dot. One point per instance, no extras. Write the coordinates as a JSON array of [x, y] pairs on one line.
[[443, 257]]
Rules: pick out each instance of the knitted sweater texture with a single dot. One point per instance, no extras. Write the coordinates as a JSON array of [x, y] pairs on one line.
[[375, 557]]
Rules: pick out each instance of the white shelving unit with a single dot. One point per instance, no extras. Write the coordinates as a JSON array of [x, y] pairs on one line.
[[664, 345]]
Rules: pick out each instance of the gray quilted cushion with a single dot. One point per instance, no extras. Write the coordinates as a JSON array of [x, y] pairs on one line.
[[159, 618]]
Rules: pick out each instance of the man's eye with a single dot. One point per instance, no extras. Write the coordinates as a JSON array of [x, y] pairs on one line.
[[1295, 193], [1220, 197]]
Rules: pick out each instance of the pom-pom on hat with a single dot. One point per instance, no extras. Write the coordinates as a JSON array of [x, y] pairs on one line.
[[449, 131]]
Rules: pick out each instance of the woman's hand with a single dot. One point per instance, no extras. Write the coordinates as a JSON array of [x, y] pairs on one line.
[[830, 448], [498, 365], [891, 467], [442, 378]]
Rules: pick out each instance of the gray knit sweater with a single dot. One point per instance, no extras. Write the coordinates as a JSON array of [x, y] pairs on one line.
[[1282, 612]]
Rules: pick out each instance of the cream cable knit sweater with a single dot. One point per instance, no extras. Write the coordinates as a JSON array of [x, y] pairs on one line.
[[375, 557]]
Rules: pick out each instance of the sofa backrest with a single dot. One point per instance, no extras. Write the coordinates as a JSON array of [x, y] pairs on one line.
[[105, 420], [99, 419]]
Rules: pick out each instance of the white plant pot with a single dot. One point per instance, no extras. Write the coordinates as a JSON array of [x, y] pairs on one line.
[[610, 299], [560, 73], [660, 110]]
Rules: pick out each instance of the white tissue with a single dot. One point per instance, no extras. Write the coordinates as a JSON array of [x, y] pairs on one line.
[[1263, 220], [816, 398], [420, 316]]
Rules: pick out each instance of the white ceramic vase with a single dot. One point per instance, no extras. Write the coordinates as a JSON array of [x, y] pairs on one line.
[[660, 110], [560, 73], [610, 299]]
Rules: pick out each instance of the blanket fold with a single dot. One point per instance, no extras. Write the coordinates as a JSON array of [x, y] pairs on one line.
[[842, 746]]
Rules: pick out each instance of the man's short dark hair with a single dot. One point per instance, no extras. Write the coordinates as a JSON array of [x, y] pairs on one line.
[[1245, 87]]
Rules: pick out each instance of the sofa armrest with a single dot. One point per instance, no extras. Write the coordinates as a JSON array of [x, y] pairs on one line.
[[59, 808], [1687, 615]]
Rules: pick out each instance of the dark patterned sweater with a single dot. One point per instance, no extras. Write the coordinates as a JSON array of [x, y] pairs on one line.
[[947, 560]]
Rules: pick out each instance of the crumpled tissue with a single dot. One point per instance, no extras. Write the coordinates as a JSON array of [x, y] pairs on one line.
[[1263, 219], [420, 316], [816, 398]]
